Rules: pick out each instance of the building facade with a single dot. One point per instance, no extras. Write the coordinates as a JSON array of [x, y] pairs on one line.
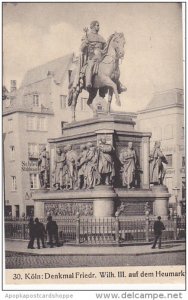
[[164, 118], [32, 114]]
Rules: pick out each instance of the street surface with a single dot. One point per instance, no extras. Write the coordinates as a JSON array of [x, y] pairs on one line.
[[16, 260]]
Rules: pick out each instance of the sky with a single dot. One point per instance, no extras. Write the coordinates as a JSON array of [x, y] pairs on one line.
[[35, 33]]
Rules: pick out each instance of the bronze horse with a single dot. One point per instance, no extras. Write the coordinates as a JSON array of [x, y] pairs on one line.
[[106, 78]]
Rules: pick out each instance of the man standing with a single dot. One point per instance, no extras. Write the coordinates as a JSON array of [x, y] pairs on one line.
[[52, 230], [31, 227], [39, 232], [158, 228]]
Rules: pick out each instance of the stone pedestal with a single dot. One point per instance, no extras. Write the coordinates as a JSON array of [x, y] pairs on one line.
[[103, 204], [161, 195], [103, 200]]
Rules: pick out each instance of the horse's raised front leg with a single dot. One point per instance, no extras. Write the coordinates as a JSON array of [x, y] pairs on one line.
[[92, 95], [110, 93], [107, 81]]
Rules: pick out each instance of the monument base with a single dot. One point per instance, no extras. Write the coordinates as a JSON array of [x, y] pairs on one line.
[[102, 201], [161, 200], [103, 204]]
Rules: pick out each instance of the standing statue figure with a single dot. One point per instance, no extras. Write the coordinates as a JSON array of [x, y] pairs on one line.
[[71, 161], [97, 68], [128, 159], [65, 171], [81, 166], [58, 170], [44, 167], [91, 166], [105, 161], [157, 159]]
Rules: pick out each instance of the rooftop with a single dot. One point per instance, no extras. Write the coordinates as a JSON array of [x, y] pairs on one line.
[[168, 98], [56, 68]]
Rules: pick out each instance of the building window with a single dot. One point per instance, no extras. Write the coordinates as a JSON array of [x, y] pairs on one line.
[[34, 123], [169, 183], [31, 123], [183, 161], [169, 159], [41, 124], [63, 101], [36, 100], [34, 181], [10, 125], [157, 133], [83, 104], [99, 107], [33, 150], [13, 183], [168, 132], [12, 153]]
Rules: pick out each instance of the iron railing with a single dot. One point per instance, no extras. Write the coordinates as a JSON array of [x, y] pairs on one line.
[[99, 231]]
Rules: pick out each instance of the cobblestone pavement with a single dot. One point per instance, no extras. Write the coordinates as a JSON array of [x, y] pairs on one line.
[[16, 260]]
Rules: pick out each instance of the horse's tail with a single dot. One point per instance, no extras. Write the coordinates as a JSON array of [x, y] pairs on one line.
[[71, 88], [70, 95]]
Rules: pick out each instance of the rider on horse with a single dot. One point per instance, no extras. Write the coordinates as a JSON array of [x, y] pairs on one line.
[[92, 48]]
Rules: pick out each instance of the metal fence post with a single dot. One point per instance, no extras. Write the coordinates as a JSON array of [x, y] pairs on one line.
[[77, 228], [117, 227], [147, 226], [175, 227], [23, 230]]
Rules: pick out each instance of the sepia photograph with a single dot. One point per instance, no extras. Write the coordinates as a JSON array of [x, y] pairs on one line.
[[93, 146]]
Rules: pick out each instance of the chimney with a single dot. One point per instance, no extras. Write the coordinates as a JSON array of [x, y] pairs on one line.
[[12, 85]]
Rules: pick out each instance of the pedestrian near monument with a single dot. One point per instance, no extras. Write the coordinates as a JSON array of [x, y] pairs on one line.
[[31, 227], [39, 232], [52, 230], [158, 229]]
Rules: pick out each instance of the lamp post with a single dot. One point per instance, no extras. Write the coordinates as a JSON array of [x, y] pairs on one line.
[[177, 203]]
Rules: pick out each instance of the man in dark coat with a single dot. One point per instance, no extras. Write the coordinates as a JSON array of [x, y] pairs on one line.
[[52, 230], [31, 227], [39, 232], [158, 228]]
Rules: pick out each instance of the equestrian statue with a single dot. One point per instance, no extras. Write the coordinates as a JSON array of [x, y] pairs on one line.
[[97, 68]]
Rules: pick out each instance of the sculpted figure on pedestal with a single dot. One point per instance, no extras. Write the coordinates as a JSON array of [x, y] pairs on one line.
[[81, 166], [128, 159], [44, 167], [105, 161], [97, 68], [157, 159], [57, 170], [91, 176], [71, 161]]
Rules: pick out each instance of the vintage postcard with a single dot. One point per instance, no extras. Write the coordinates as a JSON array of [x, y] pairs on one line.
[[93, 147]]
